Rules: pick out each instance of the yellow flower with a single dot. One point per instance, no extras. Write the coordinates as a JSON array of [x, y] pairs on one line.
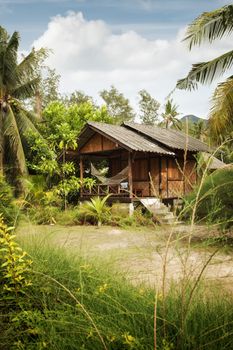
[[141, 291], [85, 266], [160, 296], [90, 335], [111, 338], [128, 339], [103, 288]]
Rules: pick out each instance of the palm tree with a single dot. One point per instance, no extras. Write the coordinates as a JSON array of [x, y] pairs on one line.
[[170, 116], [199, 130], [208, 27], [17, 83]]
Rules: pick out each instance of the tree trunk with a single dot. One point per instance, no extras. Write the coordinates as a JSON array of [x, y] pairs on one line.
[[38, 105]]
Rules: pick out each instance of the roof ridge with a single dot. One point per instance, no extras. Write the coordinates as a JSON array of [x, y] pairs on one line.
[[180, 140]]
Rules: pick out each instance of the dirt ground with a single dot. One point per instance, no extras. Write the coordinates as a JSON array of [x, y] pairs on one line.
[[140, 252]]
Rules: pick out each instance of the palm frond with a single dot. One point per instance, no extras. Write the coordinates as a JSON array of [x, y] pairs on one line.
[[29, 114], [26, 90], [206, 72], [27, 67], [12, 135], [221, 114], [24, 123], [3, 44], [96, 209], [3, 35], [13, 43], [210, 26], [10, 61]]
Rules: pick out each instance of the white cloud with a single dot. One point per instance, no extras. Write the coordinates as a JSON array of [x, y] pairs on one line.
[[90, 57]]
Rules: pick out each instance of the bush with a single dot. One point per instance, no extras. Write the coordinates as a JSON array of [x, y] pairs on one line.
[[138, 219], [43, 215], [47, 215], [7, 206], [215, 200]]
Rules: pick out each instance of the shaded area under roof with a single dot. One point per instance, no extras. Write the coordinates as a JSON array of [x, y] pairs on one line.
[[169, 138], [122, 135]]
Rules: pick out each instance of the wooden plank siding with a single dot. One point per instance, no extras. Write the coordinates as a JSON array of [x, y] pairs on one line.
[[190, 175], [152, 175], [98, 143], [158, 176], [155, 176]]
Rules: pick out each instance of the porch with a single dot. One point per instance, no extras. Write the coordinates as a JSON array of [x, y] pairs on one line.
[[118, 192]]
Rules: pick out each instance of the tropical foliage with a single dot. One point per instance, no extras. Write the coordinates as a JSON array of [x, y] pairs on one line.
[[7, 207], [18, 82], [14, 265], [215, 198], [149, 108], [199, 130], [96, 209], [169, 116], [207, 28], [118, 106]]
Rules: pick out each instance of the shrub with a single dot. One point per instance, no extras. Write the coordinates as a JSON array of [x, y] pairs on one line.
[[43, 215], [14, 264], [96, 209], [7, 206]]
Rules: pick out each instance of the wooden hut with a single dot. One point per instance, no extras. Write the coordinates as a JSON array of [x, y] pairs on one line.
[[142, 161]]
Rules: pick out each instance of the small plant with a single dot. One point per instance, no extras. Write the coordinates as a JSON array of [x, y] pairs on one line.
[[96, 209], [14, 263]]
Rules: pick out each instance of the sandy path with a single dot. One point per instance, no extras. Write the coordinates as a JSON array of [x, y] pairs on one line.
[[140, 253]]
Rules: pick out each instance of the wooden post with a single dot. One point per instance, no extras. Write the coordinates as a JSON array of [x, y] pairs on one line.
[[81, 175], [130, 175], [149, 176]]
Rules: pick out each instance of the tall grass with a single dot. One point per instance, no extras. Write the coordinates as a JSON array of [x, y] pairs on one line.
[[79, 304]]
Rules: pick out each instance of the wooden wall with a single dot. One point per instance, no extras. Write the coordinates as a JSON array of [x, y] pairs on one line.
[[140, 171], [98, 143], [153, 175], [177, 177], [157, 176]]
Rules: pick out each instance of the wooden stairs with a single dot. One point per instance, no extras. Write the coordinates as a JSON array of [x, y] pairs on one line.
[[161, 213]]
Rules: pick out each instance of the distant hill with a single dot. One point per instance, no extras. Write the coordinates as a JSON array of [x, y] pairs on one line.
[[191, 118]]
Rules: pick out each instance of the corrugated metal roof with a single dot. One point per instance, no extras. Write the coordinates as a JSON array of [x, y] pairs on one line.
[[214, 162], [128, 138], [169, 137]]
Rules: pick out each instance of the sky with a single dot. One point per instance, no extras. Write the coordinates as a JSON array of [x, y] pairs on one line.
[[131, 44]]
